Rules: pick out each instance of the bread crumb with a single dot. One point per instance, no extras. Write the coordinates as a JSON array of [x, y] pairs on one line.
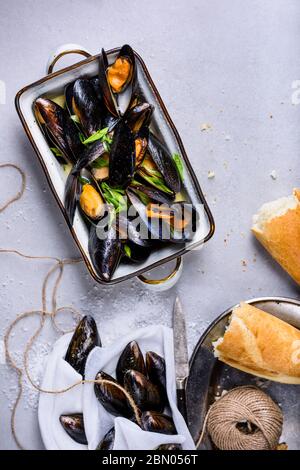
[[273, 174], [211, 174], [206, 126], [271, 116], [282, 446], [244, 263]]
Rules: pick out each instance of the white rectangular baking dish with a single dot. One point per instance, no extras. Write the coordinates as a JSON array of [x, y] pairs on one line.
[[53, 85]]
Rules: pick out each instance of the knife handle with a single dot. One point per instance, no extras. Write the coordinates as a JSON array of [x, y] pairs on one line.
[[181, 402]]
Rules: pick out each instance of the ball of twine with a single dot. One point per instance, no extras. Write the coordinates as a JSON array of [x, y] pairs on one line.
[[245, 408]]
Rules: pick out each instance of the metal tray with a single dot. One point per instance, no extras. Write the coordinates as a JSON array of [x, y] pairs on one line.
[[53, 85], [209, 376]]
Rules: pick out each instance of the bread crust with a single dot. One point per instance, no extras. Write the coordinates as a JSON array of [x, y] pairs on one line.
[[281, 238], [261, 344]]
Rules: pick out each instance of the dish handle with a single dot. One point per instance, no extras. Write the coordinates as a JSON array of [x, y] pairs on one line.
[[63, 50], [165, 283]]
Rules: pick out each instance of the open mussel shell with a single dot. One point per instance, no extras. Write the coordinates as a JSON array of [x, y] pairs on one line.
[[74, 426], [157, 422], [104, 249], [59, 127], [112, 398], [123, 73], [135, 253], [139, 116], [86, 106], [152, 193], [132, 229], [164, 162], [122, 156], [146, 395], [84, 339], [91, 201], [155, 229], [131, 358], [156, 369], [107, 443]]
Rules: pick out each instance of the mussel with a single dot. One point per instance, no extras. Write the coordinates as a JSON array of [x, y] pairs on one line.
[[135, 253], [73, 186], [122, 156], [139, 116], [156, 369], [114, 79], [169, 447], [107, 443], [111, 396], [85, 104], [158, 422], [84, 339], [164, 162], [149, 172], [60, 128], [131, 358], [91, 202], [74, 426], [146, 395], [104, 249]]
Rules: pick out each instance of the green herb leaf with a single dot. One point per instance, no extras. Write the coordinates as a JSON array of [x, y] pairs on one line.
[[101, 162], [179, 164], [56, 152], [156, 182], [75, 118], [99, 135], [127, 250], [114, 196], [81, 137]]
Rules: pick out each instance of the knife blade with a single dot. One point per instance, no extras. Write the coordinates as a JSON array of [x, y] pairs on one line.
[[181, 355]]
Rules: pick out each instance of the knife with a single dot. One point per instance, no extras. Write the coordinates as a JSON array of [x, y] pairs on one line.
[[181, 356]]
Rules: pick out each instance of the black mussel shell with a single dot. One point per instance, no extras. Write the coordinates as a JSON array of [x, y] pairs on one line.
[[97, 88], [164, 162], [170, 447], [139, 116], [156, 368], [131, 358], [84, 339], [86, 106], [112, 398], [133, 230], [146, 395], [152, 193], [59, 128], [156, 228], [74, 426], [157, 422], [105, 253], [107, 443], [108, 97], [135, 253], [122, 156]]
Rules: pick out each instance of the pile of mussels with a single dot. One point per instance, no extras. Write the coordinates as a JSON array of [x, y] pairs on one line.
[[104, 133], [143, 380]]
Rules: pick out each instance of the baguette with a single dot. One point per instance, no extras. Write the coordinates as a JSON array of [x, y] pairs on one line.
[[277, 227], [260, 344]]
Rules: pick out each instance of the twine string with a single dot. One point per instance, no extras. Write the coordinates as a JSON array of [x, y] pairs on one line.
[[56, 270], [243, 405]]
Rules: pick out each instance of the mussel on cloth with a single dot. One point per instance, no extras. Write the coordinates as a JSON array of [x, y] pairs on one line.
[[73, 424], [158, 422], [131, 358], [112, 396], [84, 339], [146, 395], [156, 369], [107, 443]]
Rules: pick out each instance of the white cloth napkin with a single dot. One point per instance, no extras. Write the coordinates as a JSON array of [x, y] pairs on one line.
[[81, 399], [59, 375], [129, 436]]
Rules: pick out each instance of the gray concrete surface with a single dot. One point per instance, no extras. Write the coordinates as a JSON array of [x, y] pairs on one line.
[[231, 64]]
